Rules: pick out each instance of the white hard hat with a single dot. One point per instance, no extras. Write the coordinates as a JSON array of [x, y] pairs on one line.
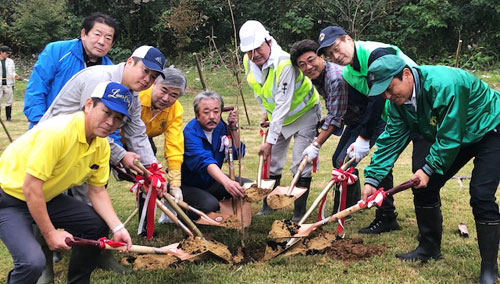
[[252, 35]]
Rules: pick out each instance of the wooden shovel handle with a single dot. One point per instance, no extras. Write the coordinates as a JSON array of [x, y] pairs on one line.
[[261, 162], [296, 177], [79, 242]]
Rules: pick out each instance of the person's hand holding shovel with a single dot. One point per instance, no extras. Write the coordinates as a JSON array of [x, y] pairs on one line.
[[265, 150]]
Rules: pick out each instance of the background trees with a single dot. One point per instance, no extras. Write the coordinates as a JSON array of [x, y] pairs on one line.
[[427, 30]]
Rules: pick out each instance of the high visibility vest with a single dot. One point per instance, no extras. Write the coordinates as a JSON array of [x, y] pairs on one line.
[[357, 79], [305, 96]]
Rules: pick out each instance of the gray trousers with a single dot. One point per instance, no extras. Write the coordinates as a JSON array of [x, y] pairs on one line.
[[301, 139], [16, 232]]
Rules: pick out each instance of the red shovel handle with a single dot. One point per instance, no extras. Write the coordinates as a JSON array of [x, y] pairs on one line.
[[79, 242], [402, 187]]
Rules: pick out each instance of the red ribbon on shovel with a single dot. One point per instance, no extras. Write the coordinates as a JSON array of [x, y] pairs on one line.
[[154, 181], [344, 178]]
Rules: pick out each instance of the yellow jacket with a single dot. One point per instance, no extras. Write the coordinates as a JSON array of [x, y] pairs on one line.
[[168, 122]]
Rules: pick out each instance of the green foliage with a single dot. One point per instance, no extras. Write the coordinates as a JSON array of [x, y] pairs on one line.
[[38, 22], [427, 30]]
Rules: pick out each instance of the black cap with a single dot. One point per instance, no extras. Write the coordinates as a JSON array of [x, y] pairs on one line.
[[328, 36], [4, 49]]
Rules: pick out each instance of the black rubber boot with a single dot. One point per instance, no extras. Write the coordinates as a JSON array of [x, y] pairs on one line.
[[8, 112], [385, 221], [430, 227], [487, 237], [265, 209], [300, 204]]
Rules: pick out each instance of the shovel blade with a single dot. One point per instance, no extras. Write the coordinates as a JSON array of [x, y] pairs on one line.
[[179, 253], [227, 208], [255, 194], [280, 197]]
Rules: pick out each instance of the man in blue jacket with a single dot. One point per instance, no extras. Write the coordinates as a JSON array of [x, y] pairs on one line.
[[60, 60], [205, 147]]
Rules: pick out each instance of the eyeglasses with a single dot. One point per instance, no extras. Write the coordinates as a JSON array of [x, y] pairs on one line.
[[309, 61]]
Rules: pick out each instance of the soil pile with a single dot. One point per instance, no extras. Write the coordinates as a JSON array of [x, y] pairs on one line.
[[322, 242], [283, 229], [256, 194]]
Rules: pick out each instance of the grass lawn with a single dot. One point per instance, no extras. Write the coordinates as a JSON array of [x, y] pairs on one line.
[[460, 263]]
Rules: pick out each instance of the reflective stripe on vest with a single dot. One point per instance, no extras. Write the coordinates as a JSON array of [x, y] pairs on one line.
[[304, 98]]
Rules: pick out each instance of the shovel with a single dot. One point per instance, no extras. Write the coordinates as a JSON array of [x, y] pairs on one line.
[[288, 229], [255, 192], [283, 196], [330, 185], [172, 204], [212, 219], [106, 244]]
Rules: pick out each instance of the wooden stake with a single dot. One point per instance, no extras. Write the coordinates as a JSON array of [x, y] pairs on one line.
[[203, 85], [457, 55], [6, 131]]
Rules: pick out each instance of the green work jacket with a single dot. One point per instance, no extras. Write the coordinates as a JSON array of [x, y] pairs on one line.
[[453, 108], [357, 78]]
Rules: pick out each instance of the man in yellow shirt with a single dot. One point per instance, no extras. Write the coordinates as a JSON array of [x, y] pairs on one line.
[[36, 168], [161, 112]]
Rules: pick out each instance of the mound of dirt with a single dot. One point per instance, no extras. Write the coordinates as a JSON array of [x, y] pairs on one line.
[[322, 242], [283, 229], [256, 194], [149, 261], [197, 245], [278, 201], [353, 250], [232, 222]]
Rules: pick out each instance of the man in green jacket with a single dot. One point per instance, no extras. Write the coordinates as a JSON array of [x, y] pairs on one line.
[[460, 114], [364, 117]]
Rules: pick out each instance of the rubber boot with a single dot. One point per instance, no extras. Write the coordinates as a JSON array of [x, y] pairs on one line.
[[81, 264], [487, 237], [430, 227], [8, 112], [47, 276], [385, 221], [265, 209], [106, 261], [300, 204]]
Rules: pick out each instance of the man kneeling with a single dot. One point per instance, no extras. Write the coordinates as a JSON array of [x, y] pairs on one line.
[[205, 146], [35, 169]]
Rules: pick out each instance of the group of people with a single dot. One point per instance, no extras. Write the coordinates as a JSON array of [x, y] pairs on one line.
[[373, 92], [385, 99]]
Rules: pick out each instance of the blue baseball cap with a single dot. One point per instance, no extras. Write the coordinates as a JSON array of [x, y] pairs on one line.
[[382, 71], [327, 37], [152, 58], [114, 95]]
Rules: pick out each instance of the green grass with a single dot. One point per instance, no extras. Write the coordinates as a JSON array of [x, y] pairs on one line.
[[459, 265]]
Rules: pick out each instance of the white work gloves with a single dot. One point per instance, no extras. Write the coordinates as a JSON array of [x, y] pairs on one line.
[[359, 149], [311, 151], [176, 192]]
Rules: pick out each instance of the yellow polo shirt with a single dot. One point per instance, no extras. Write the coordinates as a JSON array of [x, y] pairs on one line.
[[169, 122], [55, 151]]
